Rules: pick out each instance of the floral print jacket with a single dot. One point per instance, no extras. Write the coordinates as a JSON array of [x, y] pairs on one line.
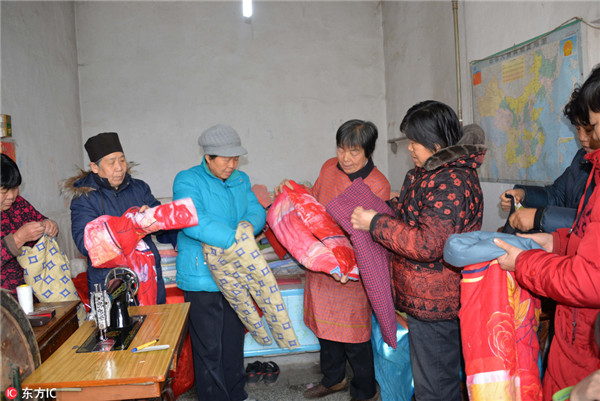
[[443, 197], [20, 212]]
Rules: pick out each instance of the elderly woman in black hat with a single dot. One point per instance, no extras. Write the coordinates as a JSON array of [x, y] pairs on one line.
[[223, 199], [108, 189]]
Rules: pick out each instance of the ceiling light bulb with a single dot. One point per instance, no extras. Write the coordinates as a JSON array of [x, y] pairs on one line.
[[247, 8]]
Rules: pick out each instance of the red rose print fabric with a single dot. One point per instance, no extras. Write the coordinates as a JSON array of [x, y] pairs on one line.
[[499, 322], [114, 241]]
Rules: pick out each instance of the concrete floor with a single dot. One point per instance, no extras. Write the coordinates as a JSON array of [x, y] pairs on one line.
[[297, 371]]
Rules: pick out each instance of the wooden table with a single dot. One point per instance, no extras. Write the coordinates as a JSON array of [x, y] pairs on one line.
[[116, 375], [54, 333]]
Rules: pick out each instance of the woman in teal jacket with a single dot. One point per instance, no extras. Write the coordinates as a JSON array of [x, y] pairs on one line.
[[223, 198]]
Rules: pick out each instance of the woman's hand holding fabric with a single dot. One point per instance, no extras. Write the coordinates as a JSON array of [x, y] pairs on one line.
[[507, 261], [342, 279], [545, 240], [361, 218], [522, 219], [50, 227], [143, 208], [31, 231], [518, 195], [279, 188]]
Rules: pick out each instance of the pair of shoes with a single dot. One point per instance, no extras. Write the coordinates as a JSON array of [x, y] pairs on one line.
[[270, 373], [254, 372], [374, 398], [320, 390]]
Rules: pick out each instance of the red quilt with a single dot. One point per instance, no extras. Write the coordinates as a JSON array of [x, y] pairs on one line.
[[301, 224], [114, 241]]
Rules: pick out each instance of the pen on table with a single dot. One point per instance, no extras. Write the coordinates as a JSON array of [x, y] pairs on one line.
[[139, 347], [153, 348]]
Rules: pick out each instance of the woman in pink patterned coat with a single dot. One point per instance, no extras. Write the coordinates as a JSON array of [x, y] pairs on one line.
[[344, 333], [22, 225]]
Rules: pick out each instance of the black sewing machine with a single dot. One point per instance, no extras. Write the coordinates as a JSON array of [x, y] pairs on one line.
[[116, 328]]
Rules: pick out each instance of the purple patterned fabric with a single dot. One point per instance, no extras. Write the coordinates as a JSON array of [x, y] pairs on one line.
[[372, 258]]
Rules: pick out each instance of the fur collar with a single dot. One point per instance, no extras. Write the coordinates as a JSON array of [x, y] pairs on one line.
[[77, 186], [472, 142]]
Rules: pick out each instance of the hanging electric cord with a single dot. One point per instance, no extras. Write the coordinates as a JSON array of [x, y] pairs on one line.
[[394, 142], [457, 57]]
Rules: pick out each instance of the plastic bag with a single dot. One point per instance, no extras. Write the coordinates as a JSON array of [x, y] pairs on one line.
[[392, 366]]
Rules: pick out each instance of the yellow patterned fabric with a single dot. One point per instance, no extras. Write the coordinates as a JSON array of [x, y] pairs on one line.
[[242, 273], [48, 272]]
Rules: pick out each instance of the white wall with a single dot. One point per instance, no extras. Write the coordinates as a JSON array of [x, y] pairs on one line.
[[40, 91], [419, 50], [161, 73], [419, 65]]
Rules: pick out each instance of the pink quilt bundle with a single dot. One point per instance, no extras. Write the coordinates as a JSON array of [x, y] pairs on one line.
[[114, 241], [303, 227]]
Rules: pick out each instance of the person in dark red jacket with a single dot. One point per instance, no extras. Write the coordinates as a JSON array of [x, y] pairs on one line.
[[22, 225], [569, 272], [440, 196]]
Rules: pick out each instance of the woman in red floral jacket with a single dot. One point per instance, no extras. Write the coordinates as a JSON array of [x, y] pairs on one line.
[[21, 225], [440, 196]]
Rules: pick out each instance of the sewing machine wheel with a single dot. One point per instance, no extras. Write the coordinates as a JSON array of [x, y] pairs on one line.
[[20, 352], [127, 275]]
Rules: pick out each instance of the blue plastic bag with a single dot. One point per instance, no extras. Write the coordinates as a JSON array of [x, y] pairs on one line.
[[392, 366]]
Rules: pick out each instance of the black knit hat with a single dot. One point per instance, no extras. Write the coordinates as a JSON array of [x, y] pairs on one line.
[[102, 144]]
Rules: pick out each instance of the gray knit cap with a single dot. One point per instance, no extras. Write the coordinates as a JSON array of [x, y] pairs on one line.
[[221, 140]]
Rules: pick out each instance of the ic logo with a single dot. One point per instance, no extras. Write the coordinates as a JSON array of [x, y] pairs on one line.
[[11, 393]]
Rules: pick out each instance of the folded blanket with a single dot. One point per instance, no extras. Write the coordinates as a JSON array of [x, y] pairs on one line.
[[478, 246], [114, 241], [242, 273], [371, 257]]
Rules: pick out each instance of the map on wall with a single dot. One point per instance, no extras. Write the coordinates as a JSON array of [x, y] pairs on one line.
[[518, 99]]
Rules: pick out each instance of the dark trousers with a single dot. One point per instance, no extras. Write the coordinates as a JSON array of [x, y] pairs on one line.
[[218, 347], [435, 356], [333, 365]]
